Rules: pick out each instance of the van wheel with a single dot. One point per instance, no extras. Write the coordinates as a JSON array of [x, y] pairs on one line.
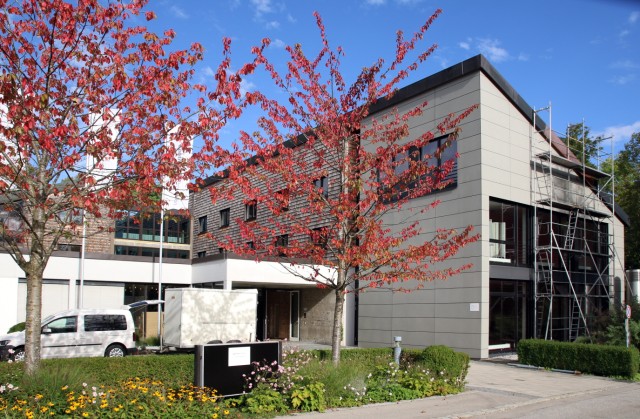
[[115, 351], [18, 354]]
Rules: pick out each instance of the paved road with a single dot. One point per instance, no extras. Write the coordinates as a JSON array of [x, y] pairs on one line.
[[503, 391]]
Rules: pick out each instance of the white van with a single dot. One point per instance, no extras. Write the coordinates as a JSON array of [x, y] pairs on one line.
[[78, 333]]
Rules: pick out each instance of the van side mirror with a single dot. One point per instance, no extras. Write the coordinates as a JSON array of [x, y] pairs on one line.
[[46, 331]]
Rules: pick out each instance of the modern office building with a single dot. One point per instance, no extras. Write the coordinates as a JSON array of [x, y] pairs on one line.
[[547, 264]]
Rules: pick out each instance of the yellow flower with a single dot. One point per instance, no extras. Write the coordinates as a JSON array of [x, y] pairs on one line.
[[226, 412], [214, 416], [64, 388], [85, 414]]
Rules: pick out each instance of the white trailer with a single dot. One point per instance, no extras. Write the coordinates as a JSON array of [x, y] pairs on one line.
[[196, 316]]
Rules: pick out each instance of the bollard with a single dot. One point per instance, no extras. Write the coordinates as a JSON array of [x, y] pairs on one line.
[[397, 349]]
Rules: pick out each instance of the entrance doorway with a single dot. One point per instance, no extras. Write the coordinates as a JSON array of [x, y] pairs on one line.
[[508, 319], [282, 318]]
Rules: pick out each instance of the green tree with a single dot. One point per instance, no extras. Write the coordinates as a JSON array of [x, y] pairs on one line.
[[579, 140], [627, 191]]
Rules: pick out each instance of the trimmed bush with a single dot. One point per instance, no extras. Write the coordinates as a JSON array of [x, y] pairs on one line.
[[603, 360], [446, 362]]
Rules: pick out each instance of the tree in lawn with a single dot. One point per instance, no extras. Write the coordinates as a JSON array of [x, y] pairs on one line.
[[326, 175], [87, 101]]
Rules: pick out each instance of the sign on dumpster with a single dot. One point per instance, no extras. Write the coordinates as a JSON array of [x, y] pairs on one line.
[[223, 366]]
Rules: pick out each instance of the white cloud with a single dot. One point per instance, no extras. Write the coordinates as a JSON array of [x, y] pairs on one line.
[[273, 24], [464, 45], [622, 133], [277, 43], [622, 80], [492, 50], [246, 86], [291, 19], [208, 71], [375, 2], [624, 65], [262, 6], [442, 61], [624, 33], [178, 12], [523, 57], [633, 17]]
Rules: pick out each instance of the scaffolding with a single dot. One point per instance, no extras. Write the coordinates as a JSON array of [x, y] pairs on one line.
[[574, 237]]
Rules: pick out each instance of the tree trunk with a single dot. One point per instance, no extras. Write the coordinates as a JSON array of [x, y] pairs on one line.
[[33, 316], [336, 339], [34, 270]]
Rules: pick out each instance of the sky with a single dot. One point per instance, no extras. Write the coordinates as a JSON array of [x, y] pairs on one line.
[[580, 57]]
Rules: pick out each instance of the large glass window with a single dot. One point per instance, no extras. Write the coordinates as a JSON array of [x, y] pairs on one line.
[[509, 229], [151, 252], [136, 225], [439, 154]]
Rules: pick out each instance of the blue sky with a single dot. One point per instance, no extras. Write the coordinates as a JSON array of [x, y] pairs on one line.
[[583, 57]]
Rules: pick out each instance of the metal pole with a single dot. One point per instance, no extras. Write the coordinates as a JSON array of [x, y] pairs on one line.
[[160, 275]]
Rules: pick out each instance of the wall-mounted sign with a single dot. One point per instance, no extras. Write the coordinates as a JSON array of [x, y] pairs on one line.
[[474, 306]]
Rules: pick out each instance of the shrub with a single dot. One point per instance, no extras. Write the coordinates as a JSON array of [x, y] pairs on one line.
[[605, 360], [263, 400], [17, 327], [309, 398], [446, 362]]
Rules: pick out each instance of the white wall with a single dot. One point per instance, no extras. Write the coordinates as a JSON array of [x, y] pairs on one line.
[[62, 286]]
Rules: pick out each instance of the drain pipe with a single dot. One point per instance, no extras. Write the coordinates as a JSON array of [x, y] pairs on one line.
[[397, 350]]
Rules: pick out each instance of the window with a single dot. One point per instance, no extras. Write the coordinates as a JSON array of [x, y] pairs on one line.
[[439, 155], [322, 186], [250, 211], [282, 199], [150, 252], [202, 254], [62, 325], [135, 225], [440, 151], [66, 247], [509, 233], [320, 237], [221, 250], [202, 224], [104, 322], [251, 245], [225, 216], [73, 216], [282, 242]]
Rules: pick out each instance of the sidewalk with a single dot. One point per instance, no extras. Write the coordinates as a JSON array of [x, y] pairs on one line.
[[492, 389]]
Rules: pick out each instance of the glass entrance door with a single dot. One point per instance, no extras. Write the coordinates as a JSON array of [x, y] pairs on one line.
[[508, 318]]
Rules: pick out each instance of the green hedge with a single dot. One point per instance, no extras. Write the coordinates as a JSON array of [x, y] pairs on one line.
[[604, 360]]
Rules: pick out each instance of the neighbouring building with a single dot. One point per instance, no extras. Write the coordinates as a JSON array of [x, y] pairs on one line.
[[549, 260]]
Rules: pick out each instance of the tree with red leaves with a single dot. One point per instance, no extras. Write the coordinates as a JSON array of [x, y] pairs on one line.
[[87, 101], [329, 177]]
